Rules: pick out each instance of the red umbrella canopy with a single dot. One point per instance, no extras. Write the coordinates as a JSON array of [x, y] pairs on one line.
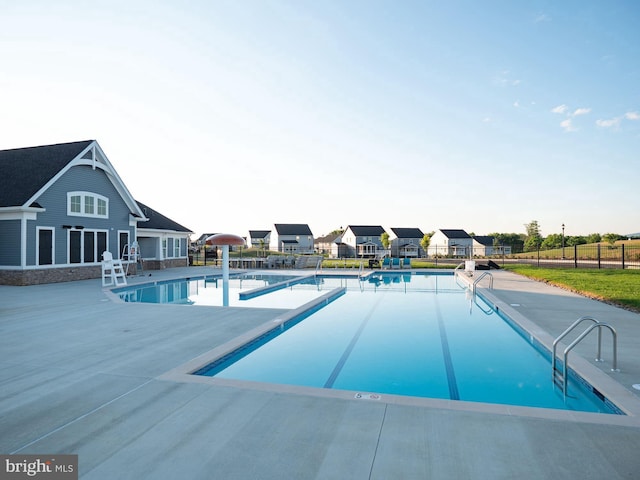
[[224, 239]]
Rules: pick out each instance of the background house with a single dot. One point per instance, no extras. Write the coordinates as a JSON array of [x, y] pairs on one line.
[[61, 206], [450, 243], [163, 243], [259, 239], [292, 238], [326, 245], [484, 246], [363, 241], [405, 242]]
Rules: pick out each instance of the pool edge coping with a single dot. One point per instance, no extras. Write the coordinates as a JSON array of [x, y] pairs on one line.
[[614, 391]]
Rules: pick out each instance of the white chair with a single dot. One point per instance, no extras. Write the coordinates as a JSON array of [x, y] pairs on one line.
[[113, 273], [469, 267]]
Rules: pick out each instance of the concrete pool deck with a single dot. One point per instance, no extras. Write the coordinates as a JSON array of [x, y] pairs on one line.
[[82, 374]]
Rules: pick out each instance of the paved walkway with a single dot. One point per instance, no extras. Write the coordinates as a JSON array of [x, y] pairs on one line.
[[82, 374]]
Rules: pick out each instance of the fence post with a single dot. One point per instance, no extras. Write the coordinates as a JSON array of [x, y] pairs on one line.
[[575, 256], [598, 256], [623, 256]]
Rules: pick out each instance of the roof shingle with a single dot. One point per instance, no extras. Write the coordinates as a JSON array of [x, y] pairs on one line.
[[24, 171]]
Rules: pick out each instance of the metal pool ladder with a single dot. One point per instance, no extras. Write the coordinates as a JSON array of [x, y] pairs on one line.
[[560, 378], [480, 278]]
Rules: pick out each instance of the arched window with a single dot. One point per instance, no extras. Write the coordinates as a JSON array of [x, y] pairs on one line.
[[87, 204]]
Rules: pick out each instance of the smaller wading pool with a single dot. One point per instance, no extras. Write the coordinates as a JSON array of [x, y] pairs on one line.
[[391, 333], [246, 290]]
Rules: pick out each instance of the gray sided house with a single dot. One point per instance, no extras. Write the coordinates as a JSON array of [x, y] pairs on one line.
[[363, 241], [292, 238], [327, 244], [163, 243], [260, 239], [450, 243], [406, 242], [61, 206], [485, 246]]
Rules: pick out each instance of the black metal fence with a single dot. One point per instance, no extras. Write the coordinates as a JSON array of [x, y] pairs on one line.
[[603, 255]]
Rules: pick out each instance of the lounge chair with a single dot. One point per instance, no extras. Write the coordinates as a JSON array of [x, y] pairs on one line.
[[395, 263], [386, 262], [406, 262]]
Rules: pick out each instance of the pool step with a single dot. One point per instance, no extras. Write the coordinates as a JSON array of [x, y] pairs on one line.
[[558, 378]]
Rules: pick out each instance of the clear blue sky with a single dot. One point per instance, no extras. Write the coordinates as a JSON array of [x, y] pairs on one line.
[[235, 115]]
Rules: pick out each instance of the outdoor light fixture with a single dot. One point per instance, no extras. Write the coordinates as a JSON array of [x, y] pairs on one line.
[[563, 241]]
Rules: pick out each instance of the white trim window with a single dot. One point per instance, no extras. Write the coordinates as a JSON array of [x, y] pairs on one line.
[[176, 247], [45, 245], [87, 204], [164, 247], [86, 246]]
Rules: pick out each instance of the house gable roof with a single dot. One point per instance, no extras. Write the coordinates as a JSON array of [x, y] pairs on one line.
[[157, 221], [259, 233], [408, 232], [203, 238], [328, 238], [484, 240], [293, 229], [454, 233], [25, 173], [366, 230]]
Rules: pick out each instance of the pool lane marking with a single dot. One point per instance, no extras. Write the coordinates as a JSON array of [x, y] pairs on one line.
[[454, 394], [345, 355]]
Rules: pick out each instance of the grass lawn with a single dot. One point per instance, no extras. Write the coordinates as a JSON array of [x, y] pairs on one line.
[[620, 287]]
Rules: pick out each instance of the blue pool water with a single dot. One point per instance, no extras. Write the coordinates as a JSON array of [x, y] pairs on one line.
[[207, 291], [394, 333]]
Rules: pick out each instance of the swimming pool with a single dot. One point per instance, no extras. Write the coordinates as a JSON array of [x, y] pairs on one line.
[[406, 334], [246, 290]]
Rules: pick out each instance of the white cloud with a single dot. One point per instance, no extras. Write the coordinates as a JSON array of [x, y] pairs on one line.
[[614, 122], [581, 111], [516, 104], [560, 109], [504, 79], [568, 125], [541, 17]]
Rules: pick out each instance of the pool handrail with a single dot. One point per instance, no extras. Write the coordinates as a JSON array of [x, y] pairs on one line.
[[480, 278], [596, 324]]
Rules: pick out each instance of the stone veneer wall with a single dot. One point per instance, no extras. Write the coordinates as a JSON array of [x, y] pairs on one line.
[[49, 275], [69, 274]]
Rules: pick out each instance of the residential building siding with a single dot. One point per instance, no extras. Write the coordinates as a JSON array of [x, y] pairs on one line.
[[54, 200], [10, 242]]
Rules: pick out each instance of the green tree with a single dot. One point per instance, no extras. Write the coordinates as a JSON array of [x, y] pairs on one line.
[[384, 239], [426, 241], [576, 240], [611, 238], [553, 240], [533, 238], [514, 240], [594, 238]]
